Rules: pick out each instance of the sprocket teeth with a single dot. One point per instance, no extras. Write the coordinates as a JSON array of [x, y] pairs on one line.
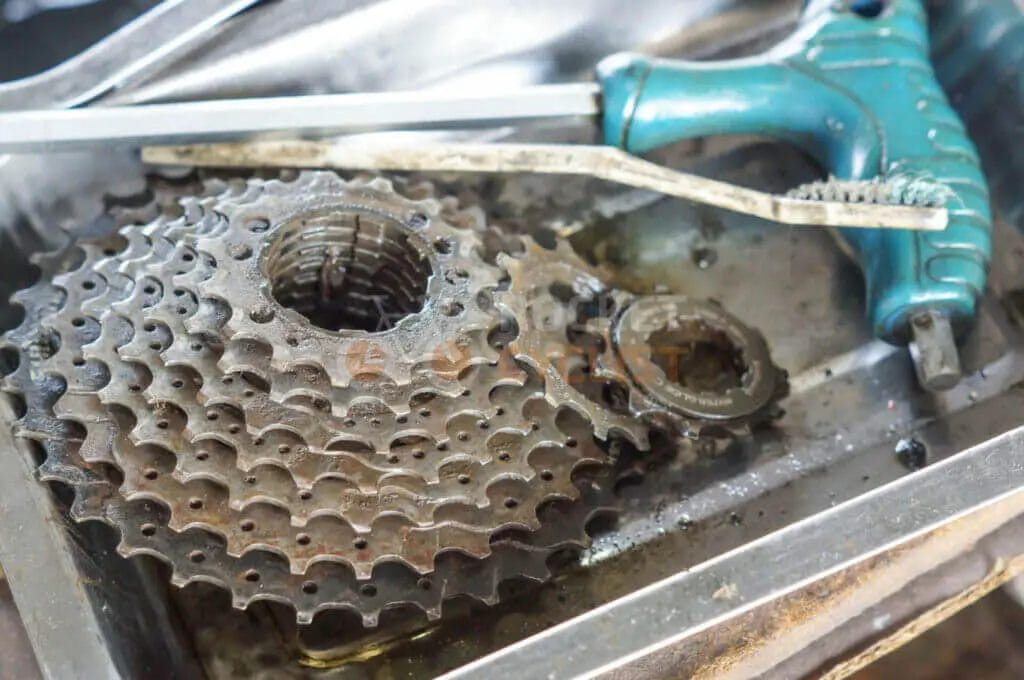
[[544, 342], [611, 392], [210, 440]]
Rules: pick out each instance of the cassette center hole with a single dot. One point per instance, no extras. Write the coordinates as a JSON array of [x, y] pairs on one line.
[[698, 356], [347, 270]]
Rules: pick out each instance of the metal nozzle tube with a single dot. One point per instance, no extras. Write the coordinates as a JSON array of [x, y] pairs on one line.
[[933, 350]]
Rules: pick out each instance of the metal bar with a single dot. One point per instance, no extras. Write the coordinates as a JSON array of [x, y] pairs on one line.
[[167, 30], [603, 162], [669, 612], [47, 130]]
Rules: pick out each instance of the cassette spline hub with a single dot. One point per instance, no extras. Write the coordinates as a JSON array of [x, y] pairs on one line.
[[294, 391]]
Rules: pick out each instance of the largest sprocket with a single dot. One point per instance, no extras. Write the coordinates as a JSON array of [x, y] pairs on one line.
[[302, 391]]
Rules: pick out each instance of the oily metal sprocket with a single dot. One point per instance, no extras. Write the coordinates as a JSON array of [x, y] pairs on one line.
[[207, 384], [686, 367]]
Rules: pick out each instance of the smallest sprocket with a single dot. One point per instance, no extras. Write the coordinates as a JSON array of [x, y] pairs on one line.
[[687, 366]]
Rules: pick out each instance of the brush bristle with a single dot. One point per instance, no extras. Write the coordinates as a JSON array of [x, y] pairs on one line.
[[913, 190]]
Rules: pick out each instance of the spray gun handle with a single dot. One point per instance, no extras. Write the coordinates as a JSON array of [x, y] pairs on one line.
[[858, 93]]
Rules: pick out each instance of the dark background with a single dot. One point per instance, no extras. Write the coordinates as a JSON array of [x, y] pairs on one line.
[[32, 40]]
